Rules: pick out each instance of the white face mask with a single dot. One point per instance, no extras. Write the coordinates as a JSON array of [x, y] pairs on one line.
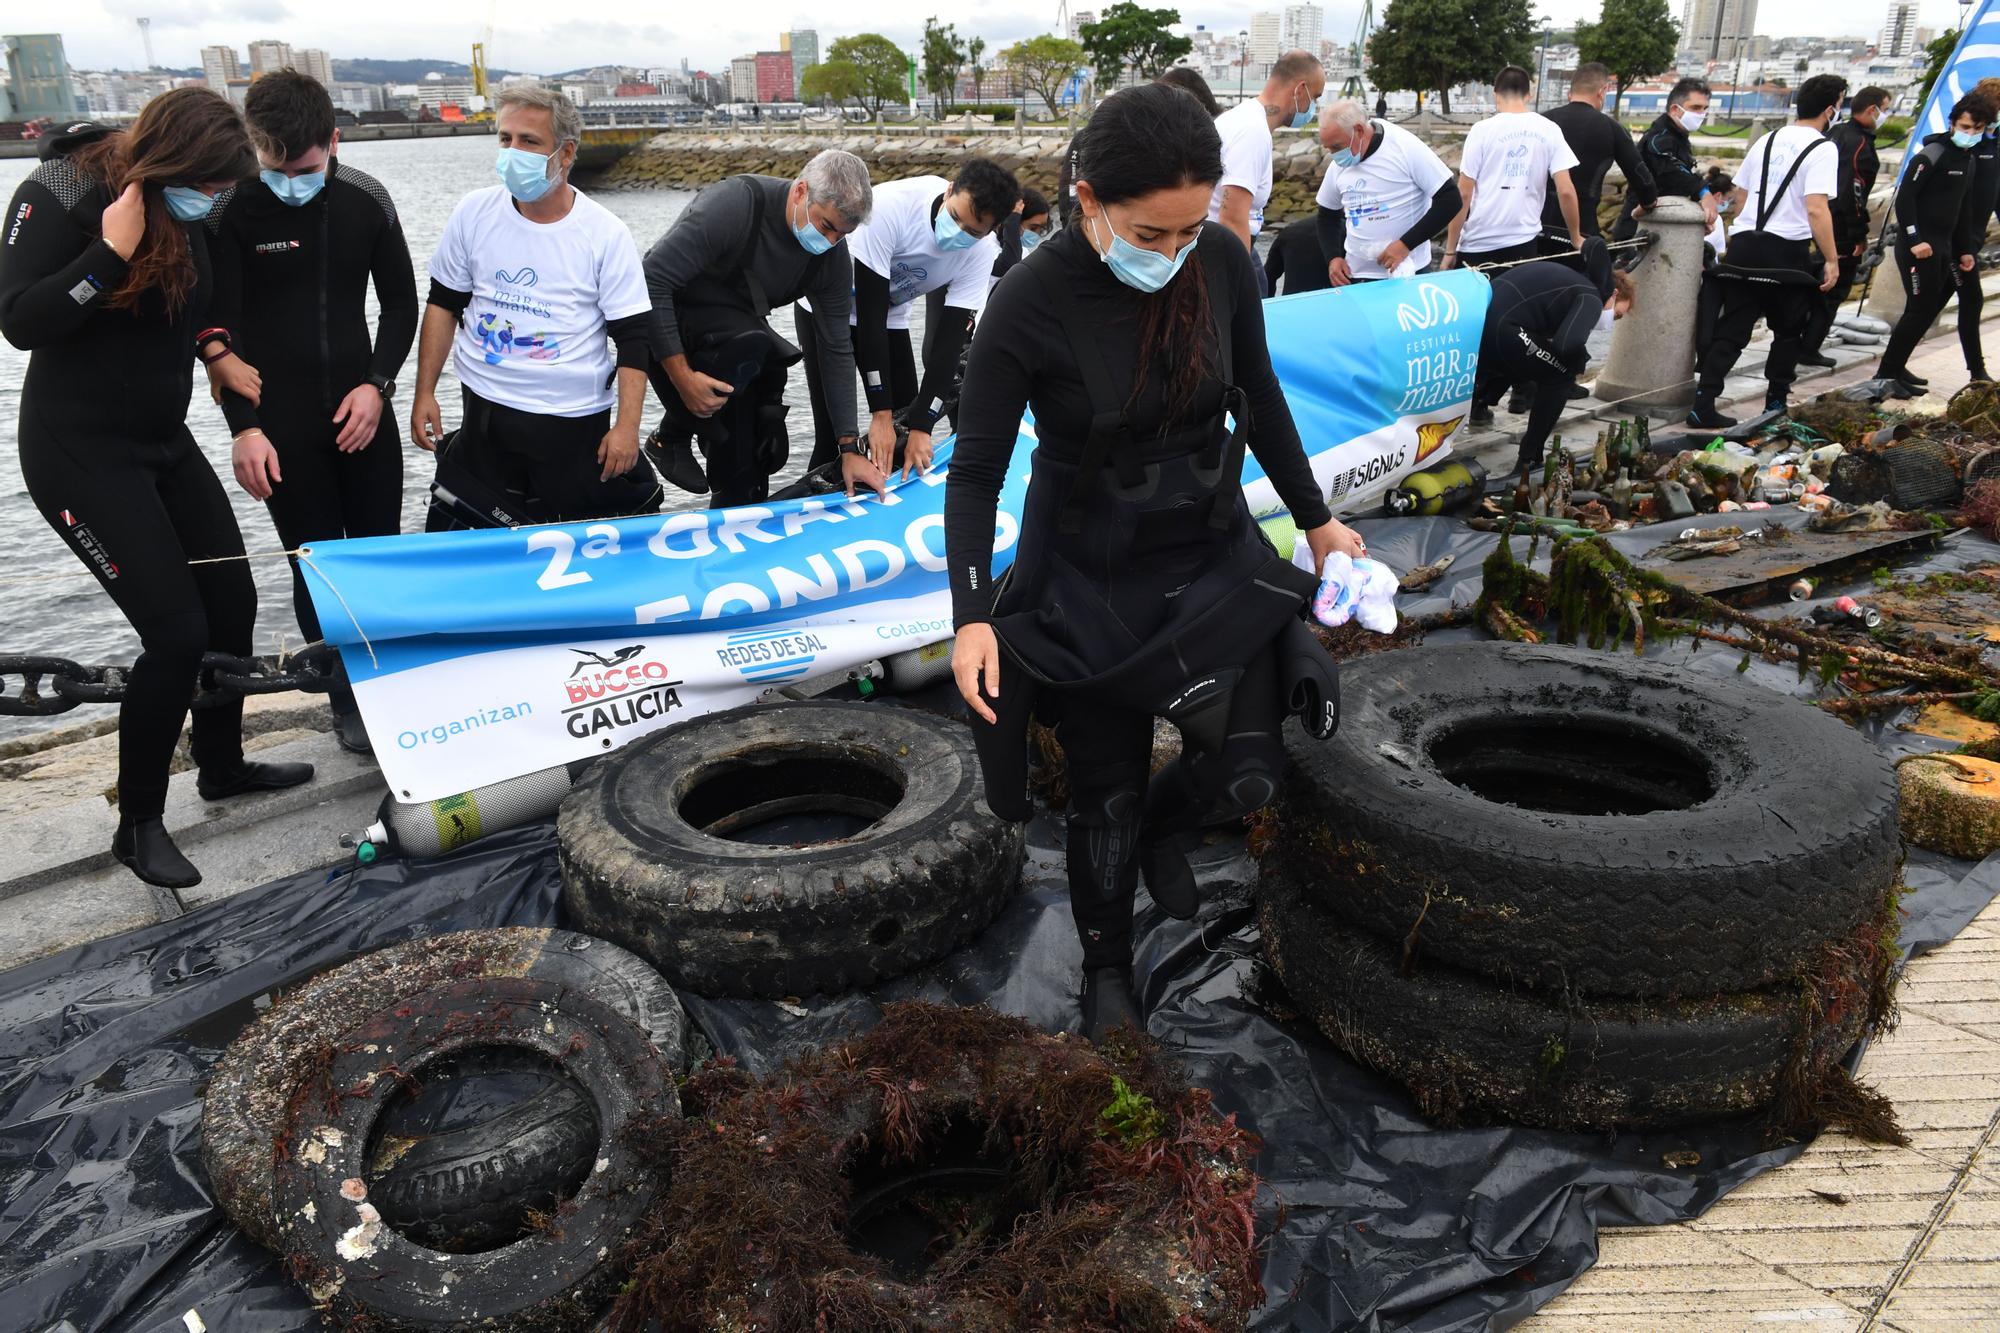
[[1691, 120], [1605, 319]]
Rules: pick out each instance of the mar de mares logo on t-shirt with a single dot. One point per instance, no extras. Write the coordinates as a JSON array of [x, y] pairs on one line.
[[904, 279], [498, 338]]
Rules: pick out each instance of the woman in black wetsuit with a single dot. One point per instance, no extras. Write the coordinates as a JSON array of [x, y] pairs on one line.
[[104, 279], [1141, 587]]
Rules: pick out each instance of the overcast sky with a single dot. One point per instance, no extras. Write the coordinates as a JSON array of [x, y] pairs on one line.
[[101, 34]]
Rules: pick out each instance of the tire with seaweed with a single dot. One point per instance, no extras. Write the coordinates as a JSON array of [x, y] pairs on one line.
[[252, 1088], [362, 1272], [1584, 822], [1471, 1050], [789, 849], [951, 1169]]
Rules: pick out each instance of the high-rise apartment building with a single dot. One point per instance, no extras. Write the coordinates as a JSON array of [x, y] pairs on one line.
[[805, 54], [743, 79], [315, 64], [1899, 31], [1266, 40], [218, 66], [38, 76], [1715, 29], [1302, 28]]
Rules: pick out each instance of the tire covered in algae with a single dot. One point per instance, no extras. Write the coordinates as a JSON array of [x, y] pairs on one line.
[[253, 1087], [364, 1273], [1588, 823], [1470, 1050], [789, 849]]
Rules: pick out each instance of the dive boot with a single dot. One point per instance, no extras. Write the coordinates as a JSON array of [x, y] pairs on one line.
[[1703, 415], [145, 848], [349, 730], [251, 777], [1108, 1003], [674, 460], [1169, 878]]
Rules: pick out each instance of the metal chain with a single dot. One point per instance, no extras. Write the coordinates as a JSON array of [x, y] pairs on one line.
[[51, 685]]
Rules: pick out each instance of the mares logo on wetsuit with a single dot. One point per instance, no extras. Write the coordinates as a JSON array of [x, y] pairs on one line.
[[276, 247], [622, 688], [88, 546], [21, 215]]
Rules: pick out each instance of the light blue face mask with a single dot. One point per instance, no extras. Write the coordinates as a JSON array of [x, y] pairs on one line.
[[1967, 139], [295, 190], [810, 237], [1029, 240], [1144, 270], [1301, 119], [525, 174], [189, 205], [1344, 157], [951, 236]]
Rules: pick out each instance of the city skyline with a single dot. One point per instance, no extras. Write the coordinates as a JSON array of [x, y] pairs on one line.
[[104, 34]]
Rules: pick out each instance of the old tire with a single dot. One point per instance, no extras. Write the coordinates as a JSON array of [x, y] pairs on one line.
[[1470, 1050], [248, 1095], [1767, 828], [362, 1272], [925, 866]]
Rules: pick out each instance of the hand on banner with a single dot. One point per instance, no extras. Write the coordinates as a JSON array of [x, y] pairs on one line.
[[426, 422], [975, 656], [618, 450], [359, 414], [882, 440], [860, 468], [917, 453]]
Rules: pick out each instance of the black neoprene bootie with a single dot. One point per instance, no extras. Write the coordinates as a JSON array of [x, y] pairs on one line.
[[1108, 1003], [145, 848], [674, 460], [1169, 878], [1704, 416], [349, 730], [252, 776]]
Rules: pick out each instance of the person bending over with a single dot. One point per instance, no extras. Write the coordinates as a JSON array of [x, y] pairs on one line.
[[1538, 322], [1141, 585], [105, 282]]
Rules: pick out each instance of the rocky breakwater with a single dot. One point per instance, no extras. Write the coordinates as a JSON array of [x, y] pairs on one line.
[[689, 162]]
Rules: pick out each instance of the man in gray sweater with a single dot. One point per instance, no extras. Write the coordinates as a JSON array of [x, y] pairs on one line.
[[745, 246]]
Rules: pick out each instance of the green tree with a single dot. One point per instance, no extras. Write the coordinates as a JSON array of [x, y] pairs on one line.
[[1634, 38], [944, 56], [1045, 64], [881, 64], [1131, 34], [974, 50], [1936, 56], [1436, 44], [835, 81]]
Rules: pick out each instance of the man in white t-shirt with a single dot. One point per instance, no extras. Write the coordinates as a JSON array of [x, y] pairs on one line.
[[924, 234], [1384, 197], [1776, 226], [530, 284], [1290, 98], [1504, 176]]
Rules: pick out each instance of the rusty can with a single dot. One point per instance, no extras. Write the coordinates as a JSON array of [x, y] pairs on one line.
[[1846, 610], [1802, 590]]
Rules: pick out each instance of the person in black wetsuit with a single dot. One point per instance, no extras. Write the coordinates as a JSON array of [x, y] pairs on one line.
[[104, 281], [1667, 154], [1297, 258], [1538, 320], [1598, 142], [294, 253], [1980, 201], [1854, 142], [1930, 232], [1140, 587]]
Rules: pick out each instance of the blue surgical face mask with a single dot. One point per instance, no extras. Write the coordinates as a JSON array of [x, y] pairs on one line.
[[1301, 119], [189, 205], [951, 236], [1344, 157], [525, 174], [1029, 240], [1144, 270], [810, 237], [1967, 138], [295, 190]]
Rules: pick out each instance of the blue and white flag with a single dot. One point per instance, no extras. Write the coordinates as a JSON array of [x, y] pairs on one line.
[[478, 656], [1976, 57]]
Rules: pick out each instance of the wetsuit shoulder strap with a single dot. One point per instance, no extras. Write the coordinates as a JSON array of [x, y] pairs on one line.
[[1764, 197], [1110, 430]]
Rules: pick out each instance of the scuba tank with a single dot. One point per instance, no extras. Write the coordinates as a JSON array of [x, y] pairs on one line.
[[1443, 489], [431, 828], [919, 667]]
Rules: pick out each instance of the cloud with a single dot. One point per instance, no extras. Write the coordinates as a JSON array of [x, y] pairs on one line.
[[198, 13]]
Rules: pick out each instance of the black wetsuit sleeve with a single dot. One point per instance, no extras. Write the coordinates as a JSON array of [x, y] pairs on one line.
[[940, 367], [1579, 314], [1333, 233], [1671, 173], [1010, 245], [1273, 436], [1006, 358], [225, 309], [448, 298], [396, 292], [1910, 229], [832, 296], [1274, 262], [629, 340], [53, 274], [871, 337], [1444, 207], [710, 230], [1639, 183]]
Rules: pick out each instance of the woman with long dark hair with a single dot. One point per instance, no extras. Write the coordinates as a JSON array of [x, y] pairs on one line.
[[104, 280], [1141, 586]]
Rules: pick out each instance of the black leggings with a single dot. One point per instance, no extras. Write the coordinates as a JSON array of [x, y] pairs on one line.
[[1114, 807], [546, 465], [1971, 300], [826, 431], [135, 513], [1927, 285], [1515, 365]]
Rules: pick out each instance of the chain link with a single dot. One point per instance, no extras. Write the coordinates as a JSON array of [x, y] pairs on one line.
[[51, 685]]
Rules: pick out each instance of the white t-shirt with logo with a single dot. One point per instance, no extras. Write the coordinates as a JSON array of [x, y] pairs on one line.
[[1509, 157], [533, 337], [899, 242], [1383, 195], [1820, 175], [1246, 159]]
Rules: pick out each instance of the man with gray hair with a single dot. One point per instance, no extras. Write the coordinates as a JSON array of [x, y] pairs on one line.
[[744, 247], [531, 284], [1384, 198]]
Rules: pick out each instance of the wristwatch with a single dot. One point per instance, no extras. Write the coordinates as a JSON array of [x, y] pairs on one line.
[[852, 445], [383, 385]]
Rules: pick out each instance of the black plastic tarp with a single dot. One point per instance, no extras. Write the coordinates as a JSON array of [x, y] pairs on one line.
[[106, 1221]]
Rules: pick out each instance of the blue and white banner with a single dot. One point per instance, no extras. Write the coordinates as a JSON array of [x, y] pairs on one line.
[[1976, 57], [478, 656]]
